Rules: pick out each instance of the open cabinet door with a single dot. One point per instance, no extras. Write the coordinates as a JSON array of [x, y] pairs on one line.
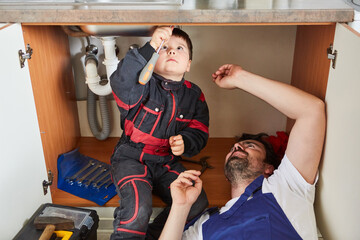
[[338, 194], [22, 160]]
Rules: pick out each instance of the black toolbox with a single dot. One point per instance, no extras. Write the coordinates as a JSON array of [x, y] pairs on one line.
[[86, 222]]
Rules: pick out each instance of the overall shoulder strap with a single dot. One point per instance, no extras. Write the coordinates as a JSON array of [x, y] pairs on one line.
[[253, 187], [210, 211]]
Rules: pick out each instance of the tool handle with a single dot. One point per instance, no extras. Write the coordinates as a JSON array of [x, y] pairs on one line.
[[147, 71], [48, 231]]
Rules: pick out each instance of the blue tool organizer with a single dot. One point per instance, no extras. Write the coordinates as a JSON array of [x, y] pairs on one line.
[[85, 177]]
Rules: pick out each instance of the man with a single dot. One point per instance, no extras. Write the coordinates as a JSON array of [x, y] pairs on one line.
[[266, 203]]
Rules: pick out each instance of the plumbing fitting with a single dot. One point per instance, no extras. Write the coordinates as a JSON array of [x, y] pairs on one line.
[[111, 61], [91, 63]]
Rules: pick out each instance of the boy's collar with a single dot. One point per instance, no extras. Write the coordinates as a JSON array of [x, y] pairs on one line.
[[168, 84]]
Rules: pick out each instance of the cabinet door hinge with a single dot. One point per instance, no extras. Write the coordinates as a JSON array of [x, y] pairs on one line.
[[332, 55], [47, 183], [23, 56]]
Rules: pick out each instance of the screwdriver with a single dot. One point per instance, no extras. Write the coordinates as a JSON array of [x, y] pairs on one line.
[[147, 71]]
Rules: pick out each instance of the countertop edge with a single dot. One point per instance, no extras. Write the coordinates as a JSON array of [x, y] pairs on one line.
[[209, 16]]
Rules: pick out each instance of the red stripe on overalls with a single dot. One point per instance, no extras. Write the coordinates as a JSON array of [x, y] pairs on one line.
[[137, 113], [138, 136], [132, 181], [142, 120], [169, 169], [151, 111], [122, 104], [141, 158], [137, 179], [156, 123], [173, 109], [187, 84], [136, 204], [195, 124], [130, 231], [133, 176]]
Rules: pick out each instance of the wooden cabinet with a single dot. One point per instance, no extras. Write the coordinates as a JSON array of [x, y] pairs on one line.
[[310, 72], [52, 82], [53, 88]]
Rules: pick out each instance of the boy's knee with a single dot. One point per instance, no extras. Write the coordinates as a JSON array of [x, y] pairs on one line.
[[131, 225]]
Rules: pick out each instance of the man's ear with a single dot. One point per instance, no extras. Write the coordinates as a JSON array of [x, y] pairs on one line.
[[269, 169], [188, 66]]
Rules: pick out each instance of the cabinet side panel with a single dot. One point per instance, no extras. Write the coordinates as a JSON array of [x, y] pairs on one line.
[[338, 193], [54, 92], [311, 65]]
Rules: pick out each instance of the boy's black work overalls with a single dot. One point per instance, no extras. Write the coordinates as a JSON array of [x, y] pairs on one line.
[[142, 161]]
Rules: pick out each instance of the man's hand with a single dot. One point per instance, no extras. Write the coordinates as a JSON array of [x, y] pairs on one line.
[[177, 145], [183, 190], [160, 34], [227, 75]]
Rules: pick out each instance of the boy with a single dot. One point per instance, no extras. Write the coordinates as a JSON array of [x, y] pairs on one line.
[[161, 120]]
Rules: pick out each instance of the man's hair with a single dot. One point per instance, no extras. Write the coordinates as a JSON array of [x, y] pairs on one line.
[[270, 157], [177, 32]]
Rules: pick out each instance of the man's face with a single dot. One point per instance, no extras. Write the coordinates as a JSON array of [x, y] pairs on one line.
[[173, 59], [245, 161]]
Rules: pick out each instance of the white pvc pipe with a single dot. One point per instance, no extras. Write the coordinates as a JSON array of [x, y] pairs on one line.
[[111, 61], [93, 79]]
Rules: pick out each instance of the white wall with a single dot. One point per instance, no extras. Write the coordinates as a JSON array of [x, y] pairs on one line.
[[266, 50]]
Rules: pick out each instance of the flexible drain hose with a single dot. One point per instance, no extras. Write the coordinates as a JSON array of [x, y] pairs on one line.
[[100, 134]]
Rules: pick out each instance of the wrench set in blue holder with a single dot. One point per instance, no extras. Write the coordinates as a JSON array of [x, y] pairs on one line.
[[85, 177]]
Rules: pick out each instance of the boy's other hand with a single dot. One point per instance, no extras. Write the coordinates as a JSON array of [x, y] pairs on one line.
[[160, 34], [177, 145]]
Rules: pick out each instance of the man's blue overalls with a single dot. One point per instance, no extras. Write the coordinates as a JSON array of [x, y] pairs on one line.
[[261, 217]]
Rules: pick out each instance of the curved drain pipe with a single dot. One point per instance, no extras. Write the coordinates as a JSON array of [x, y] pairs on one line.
[[110, 62], [98, 132], [97, 86]]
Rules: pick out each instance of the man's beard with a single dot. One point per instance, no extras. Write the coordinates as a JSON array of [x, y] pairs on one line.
[[237, 169]]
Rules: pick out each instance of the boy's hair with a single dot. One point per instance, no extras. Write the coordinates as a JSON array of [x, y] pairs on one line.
[[271, 157], [181, 34]]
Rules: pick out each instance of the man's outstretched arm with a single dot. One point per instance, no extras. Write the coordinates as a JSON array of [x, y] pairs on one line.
[[307, 135]]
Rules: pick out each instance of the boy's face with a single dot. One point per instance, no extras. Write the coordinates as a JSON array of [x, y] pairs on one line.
[[173, 59]]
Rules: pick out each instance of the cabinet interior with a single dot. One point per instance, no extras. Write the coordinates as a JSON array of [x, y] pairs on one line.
[[56, 105]]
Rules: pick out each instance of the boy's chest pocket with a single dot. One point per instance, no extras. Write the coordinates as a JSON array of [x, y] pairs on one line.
[[148, 116], [183, 118]]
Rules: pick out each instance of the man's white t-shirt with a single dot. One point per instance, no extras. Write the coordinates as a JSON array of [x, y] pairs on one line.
[[294, 195]]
